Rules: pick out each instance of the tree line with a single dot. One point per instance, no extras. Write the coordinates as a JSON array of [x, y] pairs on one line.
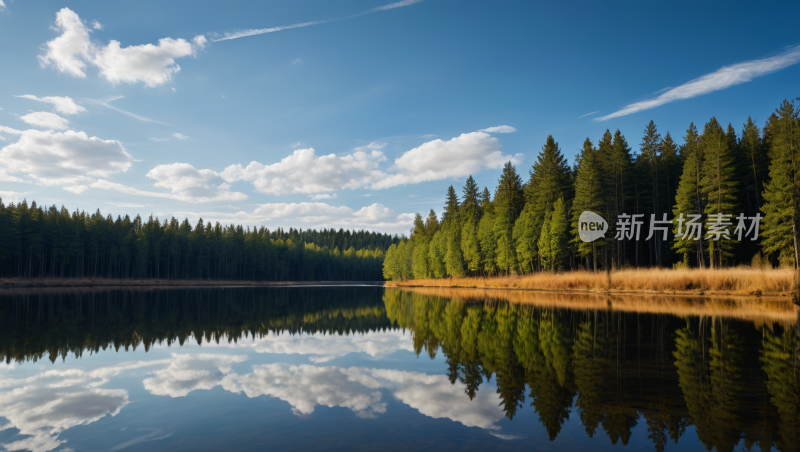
[[534, 226], [47, 242]]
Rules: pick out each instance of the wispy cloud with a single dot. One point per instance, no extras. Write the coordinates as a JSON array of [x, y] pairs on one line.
[[722, 78], [105, 103], [499, 129], [588, 114], [260, 31]]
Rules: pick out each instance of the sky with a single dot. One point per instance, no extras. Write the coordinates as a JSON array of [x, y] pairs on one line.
[[355, 114]]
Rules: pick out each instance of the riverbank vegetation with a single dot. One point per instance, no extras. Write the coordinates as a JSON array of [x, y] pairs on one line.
[[47, 242], [730, 281], [532, 227]]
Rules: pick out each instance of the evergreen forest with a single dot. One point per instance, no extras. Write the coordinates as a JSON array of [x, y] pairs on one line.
[[532, 226], [47, 242]]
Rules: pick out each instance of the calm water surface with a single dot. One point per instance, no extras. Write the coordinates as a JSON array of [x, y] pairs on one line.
[[352, 368]]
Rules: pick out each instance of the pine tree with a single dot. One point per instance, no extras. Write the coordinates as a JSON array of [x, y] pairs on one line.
[[617, 179], [488, 240], [508, 203], [470, 206], [782, 192], [470, 247], [549, 180], [437, 249], [559, 234], [689, 198], [757, 164], [719, 186], [544, 244], [650, 147], [588, 197]]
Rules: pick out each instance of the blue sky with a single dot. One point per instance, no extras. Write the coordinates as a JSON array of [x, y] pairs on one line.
[[365, 115]]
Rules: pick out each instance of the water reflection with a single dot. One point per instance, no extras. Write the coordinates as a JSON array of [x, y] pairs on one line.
[[720, 377]]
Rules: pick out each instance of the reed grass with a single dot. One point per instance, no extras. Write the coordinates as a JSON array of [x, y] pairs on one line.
[[728, 281]]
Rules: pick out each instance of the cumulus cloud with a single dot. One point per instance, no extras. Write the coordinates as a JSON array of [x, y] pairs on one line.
[[2, 5], [45, 120], [439, 159], [63, 105], [187, 373], [322, 348], [321, 196], [722, 78], [150, 64], [499, 129], [97, 25], [306, 386], [375, 217], [185, 182], [179, 136], [43, 413], [45, 404], [63, 158], [11, 196], [306, 172]]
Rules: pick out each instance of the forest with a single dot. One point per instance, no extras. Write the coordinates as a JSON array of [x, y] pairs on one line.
[[47, 242], [533, 226]]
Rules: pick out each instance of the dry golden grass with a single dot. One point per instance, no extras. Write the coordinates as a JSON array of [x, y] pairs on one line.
[[729, 281], [755, 309]]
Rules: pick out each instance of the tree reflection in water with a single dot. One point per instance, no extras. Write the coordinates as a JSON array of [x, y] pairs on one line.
[[731, 380]]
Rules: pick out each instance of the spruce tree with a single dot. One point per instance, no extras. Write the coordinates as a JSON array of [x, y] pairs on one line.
[[650, 147], [782, 192], [689, 198], [618, 182], [544, 243], [757, 162], [549, 180], [588, 197], [559, 234], [719, 187], [508, 203], [488, 240]]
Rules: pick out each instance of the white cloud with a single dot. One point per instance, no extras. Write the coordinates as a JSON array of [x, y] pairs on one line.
[[63, 105], [499, 129], [722, 78], [321, 196], [185, 182], [150, 64], [45, 120], [375, 217], [438, 160], [177, 136], [259, 31], [322, 348], [305, 172], [63, 158], [11, 196], [97, 25], [2, 5], [306, 386], [399, 4], [187, 373], [45, 404], [299, 144], [374, 146], [43, 413], [587, 114]]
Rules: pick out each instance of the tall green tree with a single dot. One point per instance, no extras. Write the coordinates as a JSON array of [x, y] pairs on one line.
[[719, 187], [782, 193], [508, 203], [588, 197], [689, 199]]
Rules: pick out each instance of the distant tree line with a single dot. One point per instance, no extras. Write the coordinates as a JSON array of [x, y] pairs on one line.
[[47, 242], [533, 226]]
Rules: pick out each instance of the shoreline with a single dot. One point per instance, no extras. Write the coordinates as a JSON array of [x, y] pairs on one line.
[[22, 283]]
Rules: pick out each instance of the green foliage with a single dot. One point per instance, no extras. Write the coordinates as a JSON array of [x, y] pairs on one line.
[[588, 194], [54, 243], [782, 192], [718, 185]]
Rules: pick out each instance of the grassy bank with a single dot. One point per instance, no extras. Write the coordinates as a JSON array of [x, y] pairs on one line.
[[729, 281], [10, 283]]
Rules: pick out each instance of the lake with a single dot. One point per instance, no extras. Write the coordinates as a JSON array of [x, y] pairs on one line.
[[368, 368]]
